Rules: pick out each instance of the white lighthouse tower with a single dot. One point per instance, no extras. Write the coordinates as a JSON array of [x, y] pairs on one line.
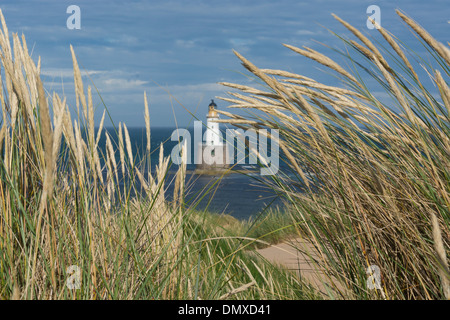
[[212, 152], [213, 135]]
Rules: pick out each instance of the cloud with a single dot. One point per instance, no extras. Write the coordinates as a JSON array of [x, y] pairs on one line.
[[113, 81], [67, 73], [188, 44], [190, 94], [120, 84], [306, 32], [241, 45]]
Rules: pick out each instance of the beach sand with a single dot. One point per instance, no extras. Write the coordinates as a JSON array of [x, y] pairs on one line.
[[301, 257]]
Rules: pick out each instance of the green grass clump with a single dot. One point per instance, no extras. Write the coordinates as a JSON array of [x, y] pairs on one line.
[[273, 226]]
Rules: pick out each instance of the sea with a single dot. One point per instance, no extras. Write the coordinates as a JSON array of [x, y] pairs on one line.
[[240, 195]]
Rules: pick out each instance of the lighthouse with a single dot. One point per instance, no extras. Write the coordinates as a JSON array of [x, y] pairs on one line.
[[213, 135], [212, 152]]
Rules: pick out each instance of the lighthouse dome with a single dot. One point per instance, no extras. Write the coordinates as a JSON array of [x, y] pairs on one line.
[[212, 113]]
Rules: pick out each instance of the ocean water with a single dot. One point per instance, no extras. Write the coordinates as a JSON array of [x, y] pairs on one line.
[[236, 194]]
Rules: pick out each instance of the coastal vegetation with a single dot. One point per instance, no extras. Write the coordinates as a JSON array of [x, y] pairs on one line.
[[372, 155], [81, 222]]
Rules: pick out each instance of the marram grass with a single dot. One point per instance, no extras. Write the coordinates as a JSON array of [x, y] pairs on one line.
[[380, 193], [63, 213]]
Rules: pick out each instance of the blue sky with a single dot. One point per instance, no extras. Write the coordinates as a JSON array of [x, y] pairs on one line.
[[185, 47]]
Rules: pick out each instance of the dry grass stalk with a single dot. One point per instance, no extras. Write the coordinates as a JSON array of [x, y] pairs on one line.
[[237, 121], [78, 84], [372, 48], [79, 152], [287, 74], [100, 128], [394, 45], [112, 156], [439, 47], [322, 59], [128, 144], [91, 131], [16, 293], [237, 290], [47, 135], [228, 114], [444, 90], [396, 92], [248, 89], [327, 89], [121, 149], [147, 125], [442, 256]]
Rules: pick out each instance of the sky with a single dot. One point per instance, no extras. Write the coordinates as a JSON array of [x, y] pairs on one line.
[[177, 51]]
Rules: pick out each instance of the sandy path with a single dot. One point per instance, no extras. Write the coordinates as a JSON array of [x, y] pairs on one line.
[[298, 255]]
